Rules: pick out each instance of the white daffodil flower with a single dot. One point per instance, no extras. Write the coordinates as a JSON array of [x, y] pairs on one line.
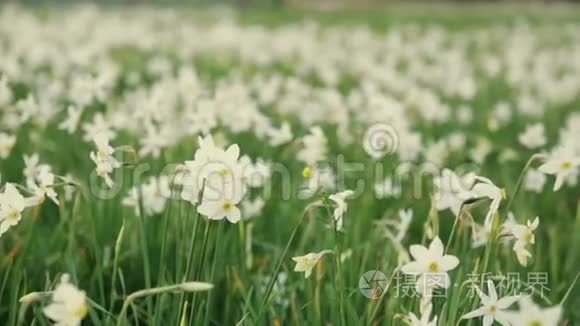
[[452, 190], [524, 235], [492, 308], [12, 204], [217, 205], [484, 187], [44, 186], [563, 162], [431, 265], [220, 174], [103, 158], [307, 262], [215, 170], [68, 307], [341, 207]]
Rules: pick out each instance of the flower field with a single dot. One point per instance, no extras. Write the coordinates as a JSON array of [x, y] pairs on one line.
[[171, 167]]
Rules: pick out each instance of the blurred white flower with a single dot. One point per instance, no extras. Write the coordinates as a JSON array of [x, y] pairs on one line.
[[533, 137], [340, 200], [68, 306], [155, 193], [12, 204], [5, 92], [405, 217], [256, 174], [480, 234], [316, 178], [202, 119], [482, 148], [252, 208], [531, 314], [27, 108], [314, 147], [43, 185], [456, 141], [6, 143], [98, 127], [70, 124], [534, 181], [307, 262], [277, 137], [103, 158], [387, 188], [502, 112], [452, 190], [31, 166]]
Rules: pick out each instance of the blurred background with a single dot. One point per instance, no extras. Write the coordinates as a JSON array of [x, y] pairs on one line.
[[321, 4]]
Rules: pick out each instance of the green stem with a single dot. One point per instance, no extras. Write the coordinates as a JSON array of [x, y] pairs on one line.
[[338, 275], [199, 268], [520, 180], [144, 248], [282, 259], [216, 253], [453, 228]]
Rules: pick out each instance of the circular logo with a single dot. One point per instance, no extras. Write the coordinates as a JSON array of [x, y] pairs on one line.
[[380, 139], [373, 284]]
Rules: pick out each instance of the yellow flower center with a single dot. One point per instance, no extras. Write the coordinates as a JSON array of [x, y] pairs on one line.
[[81, 311], [492, 308], [528, 236], [535, 323], [503, 194], [227, 205], [101, 156], [13, 214], [566, 165], [433, 267], [307, 172], [224, 172]]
